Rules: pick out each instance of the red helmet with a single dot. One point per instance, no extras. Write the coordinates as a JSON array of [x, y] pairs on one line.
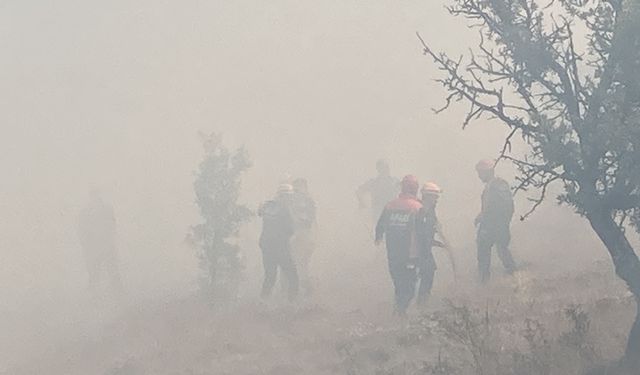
[[410, 184], [485, 165]]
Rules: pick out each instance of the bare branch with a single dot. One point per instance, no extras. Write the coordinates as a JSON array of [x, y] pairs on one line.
[[538, 201]]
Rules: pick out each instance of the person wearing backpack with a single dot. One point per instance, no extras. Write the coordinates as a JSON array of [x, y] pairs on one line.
[[277, 230], [494, 221]]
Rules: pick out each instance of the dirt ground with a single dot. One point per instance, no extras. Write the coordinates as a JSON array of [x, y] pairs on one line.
[[346, 326]]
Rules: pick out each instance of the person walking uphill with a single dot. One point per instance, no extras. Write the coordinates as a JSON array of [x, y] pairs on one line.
[[399, 226], [277, 229], [493, 221]]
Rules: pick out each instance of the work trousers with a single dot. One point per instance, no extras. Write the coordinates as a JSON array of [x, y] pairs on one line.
[[490, 234], [274, 257], [303, 245], [407, 274]]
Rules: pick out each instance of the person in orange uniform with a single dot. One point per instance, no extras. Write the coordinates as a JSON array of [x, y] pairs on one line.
[[400, 226]]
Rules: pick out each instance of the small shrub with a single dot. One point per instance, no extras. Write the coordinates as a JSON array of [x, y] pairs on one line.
[[577, 338], [217, 188], [472, 331]]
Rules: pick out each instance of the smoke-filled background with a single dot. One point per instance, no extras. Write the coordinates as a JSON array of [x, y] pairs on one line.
[[111, 95]]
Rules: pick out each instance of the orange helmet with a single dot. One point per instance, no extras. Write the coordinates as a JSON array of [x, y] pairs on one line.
[[485, 165], [431, 188]]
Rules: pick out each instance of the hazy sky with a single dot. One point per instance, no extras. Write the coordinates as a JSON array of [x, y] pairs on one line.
[[112, 94]]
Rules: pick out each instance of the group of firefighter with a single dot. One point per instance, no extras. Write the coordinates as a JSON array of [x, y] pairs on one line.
[[407, 222], [405, 218]]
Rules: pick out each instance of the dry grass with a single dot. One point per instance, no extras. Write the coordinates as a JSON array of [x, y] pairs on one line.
[[559, 325]]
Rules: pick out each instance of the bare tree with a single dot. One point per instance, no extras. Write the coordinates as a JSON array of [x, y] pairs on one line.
[[577, 109]]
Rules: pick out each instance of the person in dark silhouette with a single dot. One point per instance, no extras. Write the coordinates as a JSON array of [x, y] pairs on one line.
[[381, 190], [494, 221], [277, 230], [97, 235]]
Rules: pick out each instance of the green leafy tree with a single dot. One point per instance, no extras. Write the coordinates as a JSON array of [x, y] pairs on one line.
[[217, 188], [574, 101]]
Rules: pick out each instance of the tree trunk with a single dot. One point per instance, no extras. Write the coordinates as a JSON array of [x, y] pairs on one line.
[[627, 266]]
